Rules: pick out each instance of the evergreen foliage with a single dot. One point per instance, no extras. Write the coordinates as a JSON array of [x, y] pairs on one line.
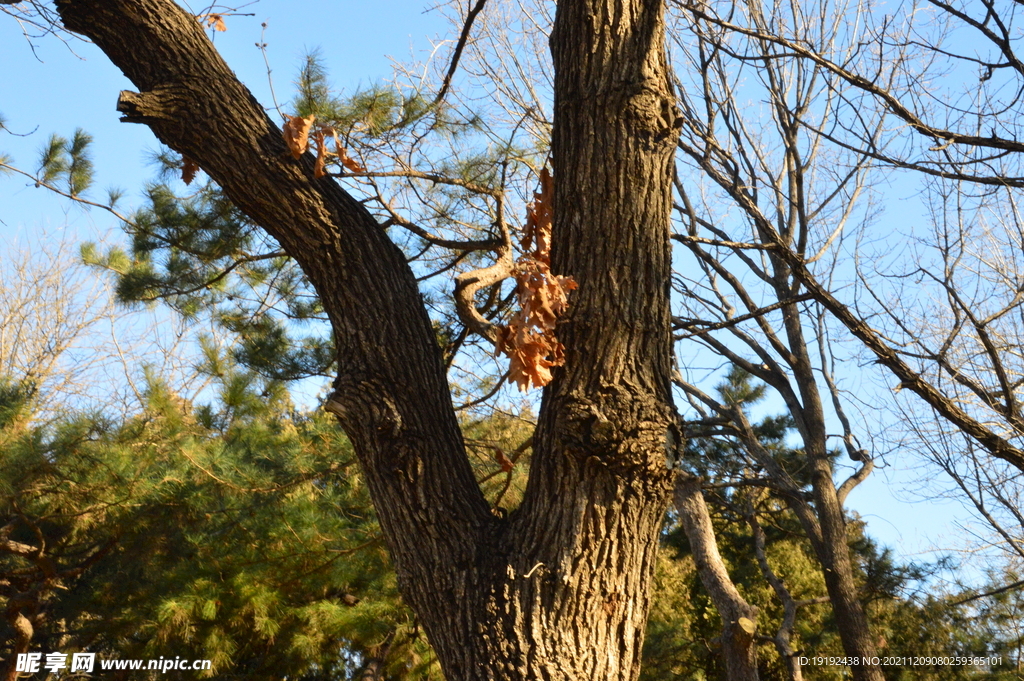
[[238, 531], [199, 255], [241, 531], [67, 160]]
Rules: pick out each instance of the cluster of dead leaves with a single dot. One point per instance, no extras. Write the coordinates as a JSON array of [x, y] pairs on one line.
[[299, 131], [529, 338]]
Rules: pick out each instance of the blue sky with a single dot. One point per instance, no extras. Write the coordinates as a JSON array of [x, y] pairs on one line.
[[57, 90]]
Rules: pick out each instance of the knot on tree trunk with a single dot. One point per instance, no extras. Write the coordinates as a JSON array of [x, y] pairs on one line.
[[621, 432], [162, 104], [363, 403], [654, 115]]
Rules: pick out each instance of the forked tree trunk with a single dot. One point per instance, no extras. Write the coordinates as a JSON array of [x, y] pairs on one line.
[[560, 589]]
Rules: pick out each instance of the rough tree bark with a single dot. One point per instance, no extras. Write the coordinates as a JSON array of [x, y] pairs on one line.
[[559, 589]]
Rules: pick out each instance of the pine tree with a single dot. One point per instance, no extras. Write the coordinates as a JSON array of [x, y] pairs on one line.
[[238, 531]]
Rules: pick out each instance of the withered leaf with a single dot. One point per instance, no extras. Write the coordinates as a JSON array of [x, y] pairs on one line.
[[503, 461], [319, 138], [350, 162], [535, 367], [189, 168], [296, 133], [539, 217], [531, 355], [213, 20], [529, 339], [342, 153]]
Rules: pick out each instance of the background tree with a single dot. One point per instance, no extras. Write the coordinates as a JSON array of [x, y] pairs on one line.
[[64, 339], [746, 189], [776, 567], [238, 530], [235, 531], [932, 90]]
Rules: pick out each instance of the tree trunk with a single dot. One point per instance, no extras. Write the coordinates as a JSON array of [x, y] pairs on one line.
[[834, 554], [783, 635], [560, 589], [23, 631], [823, 522], [827, 531]]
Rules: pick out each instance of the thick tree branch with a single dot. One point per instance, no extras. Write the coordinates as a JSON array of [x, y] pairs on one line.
[[459, 47], [739, 618], [391, 393]]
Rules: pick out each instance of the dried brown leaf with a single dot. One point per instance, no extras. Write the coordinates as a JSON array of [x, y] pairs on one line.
[[542, 296], [539, 218], [529, 339], [320, 139], [503, 461], [350, 162], [342, 154], [296, 133], [189, 168], [213, 20], [531, 355]]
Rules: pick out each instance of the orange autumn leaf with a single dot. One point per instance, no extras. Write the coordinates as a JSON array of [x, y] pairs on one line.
[[189, 168], [343, 156], [319, 138], [212, 20], [531, 354], [296, 133], [530, 363], [506, 465], [349, 162], [543, 297], [299, 132], [539, 218]]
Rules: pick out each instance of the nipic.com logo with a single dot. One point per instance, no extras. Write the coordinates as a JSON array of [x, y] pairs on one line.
[[31, 663]]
